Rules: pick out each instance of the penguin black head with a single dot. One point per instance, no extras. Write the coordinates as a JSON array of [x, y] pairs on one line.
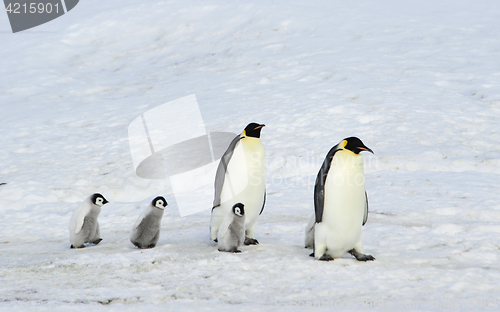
[[253, 130], [159, 202], [239, 209], [99, 200], [355, 145]]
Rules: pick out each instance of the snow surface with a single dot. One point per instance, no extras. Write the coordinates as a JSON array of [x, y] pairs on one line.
[[417, 81]]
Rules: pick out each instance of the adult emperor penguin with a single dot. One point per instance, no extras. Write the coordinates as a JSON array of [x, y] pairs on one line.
[[241, 178], [340, 204], [146, 230], [231, 233], [83, 227]]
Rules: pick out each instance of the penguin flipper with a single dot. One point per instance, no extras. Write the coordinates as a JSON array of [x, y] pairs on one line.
[[141, 217], [319, 187], [365, 217], [221, 170], [224, 227], [264, 203], [79, 217]]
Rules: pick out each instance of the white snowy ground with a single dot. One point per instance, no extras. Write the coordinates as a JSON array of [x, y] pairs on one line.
[[417, 81]]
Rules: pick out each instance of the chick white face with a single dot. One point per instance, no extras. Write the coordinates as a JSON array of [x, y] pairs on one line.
[[160, 202], [239, 209], [99, 200]]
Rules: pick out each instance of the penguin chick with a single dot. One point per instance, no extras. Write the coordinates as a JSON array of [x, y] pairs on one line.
[[146, 231], [241, 178], [340, 204], [83, 227], [231, 233]]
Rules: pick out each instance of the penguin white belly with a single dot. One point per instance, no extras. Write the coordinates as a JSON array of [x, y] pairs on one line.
[[344, 204], [244, 183]]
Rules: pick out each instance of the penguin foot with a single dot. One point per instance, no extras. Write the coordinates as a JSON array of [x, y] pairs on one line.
[[215, 240], [97, 241], [232, 250], [326, 257], [151, 246], [82, 246], [311, 254], [251, 241], [72, 247], [361, 257]]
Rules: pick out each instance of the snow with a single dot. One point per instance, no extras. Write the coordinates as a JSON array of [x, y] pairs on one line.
[[417, 81]]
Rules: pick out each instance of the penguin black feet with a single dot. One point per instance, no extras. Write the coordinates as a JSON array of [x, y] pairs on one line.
[[97, 241], [140, 246], [361, 257], [251, 241], [232, 250], [326, 257], [82, 246], [311, 254], [216, 240]]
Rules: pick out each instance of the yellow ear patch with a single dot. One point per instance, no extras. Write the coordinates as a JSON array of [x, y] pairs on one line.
[[244, 132], [344, 143]]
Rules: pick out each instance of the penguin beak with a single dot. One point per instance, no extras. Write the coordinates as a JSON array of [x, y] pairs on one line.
[[258, 127], [364, 148], [105, 202]]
